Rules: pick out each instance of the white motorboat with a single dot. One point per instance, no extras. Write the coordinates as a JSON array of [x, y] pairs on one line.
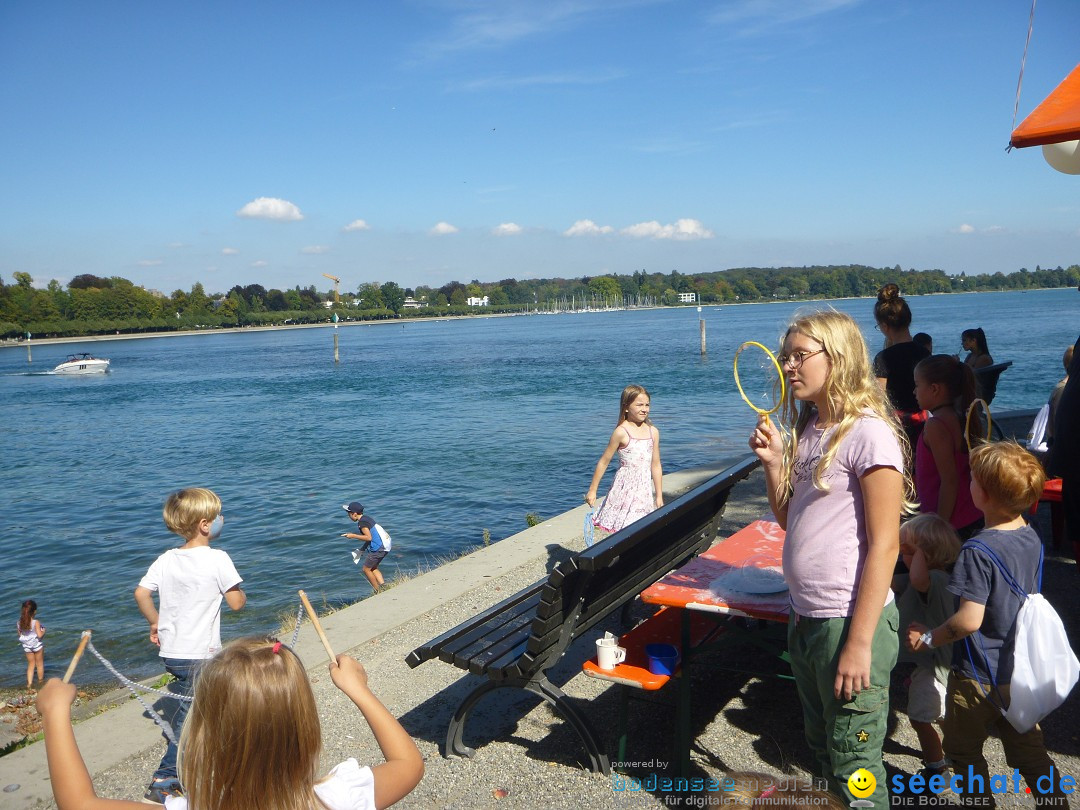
[[82, 364]]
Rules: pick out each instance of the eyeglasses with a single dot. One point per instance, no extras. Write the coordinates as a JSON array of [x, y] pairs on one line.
[[796, 359]]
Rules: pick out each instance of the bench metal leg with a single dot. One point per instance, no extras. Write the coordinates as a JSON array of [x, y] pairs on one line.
[[598, 760], [455, 745]]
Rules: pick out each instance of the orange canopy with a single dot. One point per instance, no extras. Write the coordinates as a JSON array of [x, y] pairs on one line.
[[1057, 119]]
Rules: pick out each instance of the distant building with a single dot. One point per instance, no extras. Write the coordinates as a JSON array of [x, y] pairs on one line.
[[477, 302], [412, 303], [687, 298]]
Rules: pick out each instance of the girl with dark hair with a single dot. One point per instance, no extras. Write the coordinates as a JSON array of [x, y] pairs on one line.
[[945, 388], [894, 366], [30, 634], [974, 342]]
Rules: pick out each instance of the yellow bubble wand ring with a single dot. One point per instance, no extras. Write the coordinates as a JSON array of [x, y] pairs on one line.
[[779, 373], [967, 422]]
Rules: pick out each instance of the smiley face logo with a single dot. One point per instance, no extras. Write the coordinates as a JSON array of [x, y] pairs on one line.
[[861, 783]]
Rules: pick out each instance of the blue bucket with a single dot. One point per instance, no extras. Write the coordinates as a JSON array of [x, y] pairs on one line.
[[663, 658]]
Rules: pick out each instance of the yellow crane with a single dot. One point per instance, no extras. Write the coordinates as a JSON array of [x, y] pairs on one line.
[[336, 280]]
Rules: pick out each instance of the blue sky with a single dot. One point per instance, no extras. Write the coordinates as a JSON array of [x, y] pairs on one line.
[[424, 141]]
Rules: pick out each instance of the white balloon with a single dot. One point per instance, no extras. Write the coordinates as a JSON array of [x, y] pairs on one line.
[[1065, 156]]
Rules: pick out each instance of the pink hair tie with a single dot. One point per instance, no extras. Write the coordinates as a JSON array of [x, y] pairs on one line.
[[769, 791], [277, 647]]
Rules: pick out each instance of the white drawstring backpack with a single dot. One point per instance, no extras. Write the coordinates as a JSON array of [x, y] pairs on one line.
[[1045, 669]]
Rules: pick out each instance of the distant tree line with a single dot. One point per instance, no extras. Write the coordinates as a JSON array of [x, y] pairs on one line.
[[92, 305]]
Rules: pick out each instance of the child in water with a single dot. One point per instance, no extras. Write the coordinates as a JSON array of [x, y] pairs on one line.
[[31, 632], [638, 485], [837, 485], [252, 739]]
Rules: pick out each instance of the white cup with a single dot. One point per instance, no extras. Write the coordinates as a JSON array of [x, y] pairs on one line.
[[609, 653]]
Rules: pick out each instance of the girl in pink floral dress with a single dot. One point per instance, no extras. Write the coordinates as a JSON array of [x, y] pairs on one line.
[[637, 488]]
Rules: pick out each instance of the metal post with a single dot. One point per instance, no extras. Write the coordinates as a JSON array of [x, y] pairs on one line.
[[29, 355], [701, 327], [337, 359]]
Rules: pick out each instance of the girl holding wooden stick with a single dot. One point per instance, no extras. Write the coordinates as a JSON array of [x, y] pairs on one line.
[[251, 739]]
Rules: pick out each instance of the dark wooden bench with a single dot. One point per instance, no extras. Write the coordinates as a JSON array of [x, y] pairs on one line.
[[514, 643], [986, 380]]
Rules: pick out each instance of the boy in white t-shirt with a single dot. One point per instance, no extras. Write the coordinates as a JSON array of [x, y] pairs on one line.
[[190, 582]]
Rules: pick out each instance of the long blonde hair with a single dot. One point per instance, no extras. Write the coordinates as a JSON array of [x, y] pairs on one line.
[[629, 394], [851, 390], [252, 736]]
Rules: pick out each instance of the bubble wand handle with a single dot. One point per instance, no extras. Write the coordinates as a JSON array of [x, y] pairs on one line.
[[78, 654], [318, 627]]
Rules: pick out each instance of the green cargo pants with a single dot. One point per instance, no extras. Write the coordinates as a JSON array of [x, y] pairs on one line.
[[844, 735]]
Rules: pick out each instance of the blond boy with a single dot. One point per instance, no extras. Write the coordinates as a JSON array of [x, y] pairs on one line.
[[1005, 481], [190, 582]]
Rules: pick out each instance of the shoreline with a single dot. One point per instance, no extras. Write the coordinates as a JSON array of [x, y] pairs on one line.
[[23, 343]]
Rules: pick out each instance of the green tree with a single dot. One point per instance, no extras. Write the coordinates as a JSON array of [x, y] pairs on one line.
[[606, 288], [458, 298], [371, 296], [276, 302], [88, 281], [393, 296]]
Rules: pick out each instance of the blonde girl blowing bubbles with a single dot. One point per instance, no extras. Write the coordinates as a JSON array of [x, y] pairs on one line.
[[638, 485], [836, 483]]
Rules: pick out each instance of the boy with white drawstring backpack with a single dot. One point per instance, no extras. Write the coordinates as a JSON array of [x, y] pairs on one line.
[[1004, 558], [376, 542]]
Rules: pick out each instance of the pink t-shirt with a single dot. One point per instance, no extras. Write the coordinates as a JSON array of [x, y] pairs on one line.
[[928, 485], [826, 544]]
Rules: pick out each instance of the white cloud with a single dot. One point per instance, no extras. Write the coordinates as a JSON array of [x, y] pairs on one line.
[[176, 245], [507, 229], [538, 80], [965, 228], [149, 262], [271, 208], [259, 263], [357, 225], [996, 229], [442, 229], [682, 230], [759, 16], [228, 251], [586, 227], [315, 250]]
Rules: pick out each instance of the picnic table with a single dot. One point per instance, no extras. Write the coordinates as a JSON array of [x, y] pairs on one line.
[[707, 586]]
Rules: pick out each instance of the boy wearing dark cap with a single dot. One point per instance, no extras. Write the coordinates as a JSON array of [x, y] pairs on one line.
[[376, 542]]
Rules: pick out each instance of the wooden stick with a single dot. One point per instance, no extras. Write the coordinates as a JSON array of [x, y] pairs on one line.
[[318, 627], [78, 654]]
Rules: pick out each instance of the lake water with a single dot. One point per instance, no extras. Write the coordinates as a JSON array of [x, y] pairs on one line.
[[441, 428]]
